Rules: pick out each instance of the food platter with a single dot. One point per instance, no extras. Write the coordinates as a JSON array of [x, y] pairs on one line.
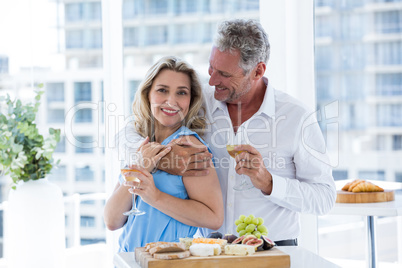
[[365, 197], [270, 258]]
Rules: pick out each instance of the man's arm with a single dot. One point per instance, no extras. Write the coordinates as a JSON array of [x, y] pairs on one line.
[[313, 191], [185, 158]]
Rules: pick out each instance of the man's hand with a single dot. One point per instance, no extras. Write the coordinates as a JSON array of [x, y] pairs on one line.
[[186, 158], [250, 163], [151, 153]]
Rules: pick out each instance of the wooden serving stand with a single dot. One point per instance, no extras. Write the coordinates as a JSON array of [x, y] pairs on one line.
[[366, 197], [273, 258]]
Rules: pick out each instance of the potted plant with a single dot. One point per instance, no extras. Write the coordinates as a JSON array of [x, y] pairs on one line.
[[34, 230], [24, 153]]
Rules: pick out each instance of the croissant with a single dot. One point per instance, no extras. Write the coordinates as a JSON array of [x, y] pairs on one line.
[[367, 187], [346, 187], [353, 184]]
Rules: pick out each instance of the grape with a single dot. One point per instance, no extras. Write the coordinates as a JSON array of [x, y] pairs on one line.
[[237, 222], [247, 220], [262, 229], [250, 228], [247, 234], [240, 227], [264, 233], [242, 217], [257, 234], [255, 221], [260, 221], [242, 232], [251, 216]]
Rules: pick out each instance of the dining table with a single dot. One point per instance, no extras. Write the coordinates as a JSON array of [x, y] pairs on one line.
[[371, 211], [299, 258]]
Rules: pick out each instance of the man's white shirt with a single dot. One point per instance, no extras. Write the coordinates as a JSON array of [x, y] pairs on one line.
[[290, 141]]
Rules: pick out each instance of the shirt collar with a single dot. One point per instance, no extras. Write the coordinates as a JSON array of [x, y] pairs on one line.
[[267, 107]]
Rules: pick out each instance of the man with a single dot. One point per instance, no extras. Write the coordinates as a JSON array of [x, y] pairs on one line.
[[282, 151]]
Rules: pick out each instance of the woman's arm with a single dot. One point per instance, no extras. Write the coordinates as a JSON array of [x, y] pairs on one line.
[[203, 209], [119, 202]]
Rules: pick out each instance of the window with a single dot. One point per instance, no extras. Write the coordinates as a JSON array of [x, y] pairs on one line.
[[388, 53], [372, 175], [398, 176], [156, 35], [55, 92], [186, 33], [95, 38], [59, 173], [87, 221], [3, 64], [55, 116], [185, 6], [61, 145], [389, 115], [388, 22], [75, 12], [84, 174], [340, 174], [397, 142], [91, 241], [83, 116], [74, 39], [82, 91], [84, 144], [389, 84], [133, 86], [131, 37]]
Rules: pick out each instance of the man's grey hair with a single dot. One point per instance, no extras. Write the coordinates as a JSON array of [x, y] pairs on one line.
[[248, 37]]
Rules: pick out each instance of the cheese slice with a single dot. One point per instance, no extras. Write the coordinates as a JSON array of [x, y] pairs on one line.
[[204, 250], [241, 250]]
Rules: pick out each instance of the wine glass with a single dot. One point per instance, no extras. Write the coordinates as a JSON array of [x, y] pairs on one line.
[[244, 183], [125, 168]]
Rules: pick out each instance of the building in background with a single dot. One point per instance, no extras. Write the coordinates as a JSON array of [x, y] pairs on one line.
[[359, 64], [73, 100]]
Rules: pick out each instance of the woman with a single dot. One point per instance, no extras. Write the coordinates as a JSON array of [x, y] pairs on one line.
[[166, 106]]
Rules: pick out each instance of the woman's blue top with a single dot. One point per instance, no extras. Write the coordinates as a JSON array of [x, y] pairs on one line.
[[154, 225]]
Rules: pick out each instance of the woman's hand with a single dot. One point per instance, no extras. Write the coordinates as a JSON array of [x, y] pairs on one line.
[[151, 153], [146, 187]]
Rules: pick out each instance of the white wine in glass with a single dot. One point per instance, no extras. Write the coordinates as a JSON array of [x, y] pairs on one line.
[[124, 169], [244, 184]]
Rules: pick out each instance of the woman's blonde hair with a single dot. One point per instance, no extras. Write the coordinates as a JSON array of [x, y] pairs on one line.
[[144, 120]]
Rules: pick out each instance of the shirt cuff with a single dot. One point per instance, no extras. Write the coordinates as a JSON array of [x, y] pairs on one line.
[[279, 187]]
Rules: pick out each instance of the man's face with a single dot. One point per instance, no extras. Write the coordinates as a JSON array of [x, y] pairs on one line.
[[227, 77]]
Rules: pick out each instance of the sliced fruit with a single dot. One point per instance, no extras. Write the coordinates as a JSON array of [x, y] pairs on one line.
[[238, 240], [247, 238], [268, 243], [256, 242]]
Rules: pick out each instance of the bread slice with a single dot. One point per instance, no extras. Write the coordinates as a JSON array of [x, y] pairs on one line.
[[169, 247], [172, 255], [148, 246]]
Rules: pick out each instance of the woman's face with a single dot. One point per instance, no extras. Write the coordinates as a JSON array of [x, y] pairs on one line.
[[170, 97]]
